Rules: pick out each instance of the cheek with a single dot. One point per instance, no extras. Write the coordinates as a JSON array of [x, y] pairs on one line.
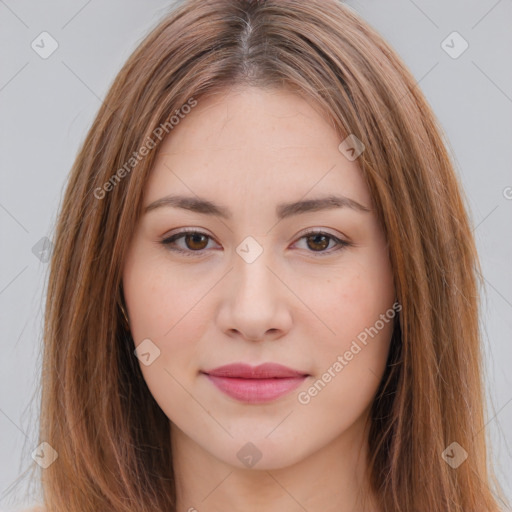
[[162, 307], [349, 366], [353, 299], [166, 308], [156, 298], [148, 299]]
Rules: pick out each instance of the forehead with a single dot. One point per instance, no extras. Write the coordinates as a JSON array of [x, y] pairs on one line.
[[245, 118], [254, 142]]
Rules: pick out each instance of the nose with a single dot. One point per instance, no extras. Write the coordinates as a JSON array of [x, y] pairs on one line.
[[256, 305]]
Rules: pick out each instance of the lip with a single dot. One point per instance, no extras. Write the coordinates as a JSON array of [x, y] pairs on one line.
[[255, 384]]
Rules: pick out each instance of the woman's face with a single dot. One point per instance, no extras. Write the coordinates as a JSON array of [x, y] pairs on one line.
[[255, 286]]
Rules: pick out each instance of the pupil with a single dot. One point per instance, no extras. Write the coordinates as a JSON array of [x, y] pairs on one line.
[[194, 239], [325, 242]]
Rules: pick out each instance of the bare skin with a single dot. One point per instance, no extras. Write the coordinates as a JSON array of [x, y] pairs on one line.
[[298, 304]]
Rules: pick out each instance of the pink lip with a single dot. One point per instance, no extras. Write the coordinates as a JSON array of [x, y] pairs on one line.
[[259, 384]]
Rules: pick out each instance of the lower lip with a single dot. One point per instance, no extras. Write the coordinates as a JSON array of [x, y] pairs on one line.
[[256, 391]]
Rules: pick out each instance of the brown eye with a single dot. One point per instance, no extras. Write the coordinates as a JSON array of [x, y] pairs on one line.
[[318, 242], [196, 241]]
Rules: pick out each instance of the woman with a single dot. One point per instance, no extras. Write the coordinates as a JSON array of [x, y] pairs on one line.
[[263, 291]]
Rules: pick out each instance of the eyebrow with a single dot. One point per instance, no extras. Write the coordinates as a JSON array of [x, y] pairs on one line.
[[283, 210]]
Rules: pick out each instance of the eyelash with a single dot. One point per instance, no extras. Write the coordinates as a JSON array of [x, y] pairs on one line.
[[190, 253]]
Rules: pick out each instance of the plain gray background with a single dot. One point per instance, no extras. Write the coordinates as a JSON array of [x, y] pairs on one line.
[[47, 106]]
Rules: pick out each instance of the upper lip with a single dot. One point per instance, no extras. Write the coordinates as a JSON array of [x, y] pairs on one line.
[[262, 371]]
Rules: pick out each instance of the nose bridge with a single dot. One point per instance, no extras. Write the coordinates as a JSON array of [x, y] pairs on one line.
[[251, 270]]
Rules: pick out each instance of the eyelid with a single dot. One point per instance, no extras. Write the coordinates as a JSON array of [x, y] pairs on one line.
[[322, 231]]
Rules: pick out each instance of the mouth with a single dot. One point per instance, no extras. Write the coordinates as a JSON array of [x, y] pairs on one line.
[[259, 384]]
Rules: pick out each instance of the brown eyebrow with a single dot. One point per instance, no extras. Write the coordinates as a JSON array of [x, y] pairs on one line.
[[284, 210]]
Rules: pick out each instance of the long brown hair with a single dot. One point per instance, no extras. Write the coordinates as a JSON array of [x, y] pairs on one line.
[[112, 439]]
